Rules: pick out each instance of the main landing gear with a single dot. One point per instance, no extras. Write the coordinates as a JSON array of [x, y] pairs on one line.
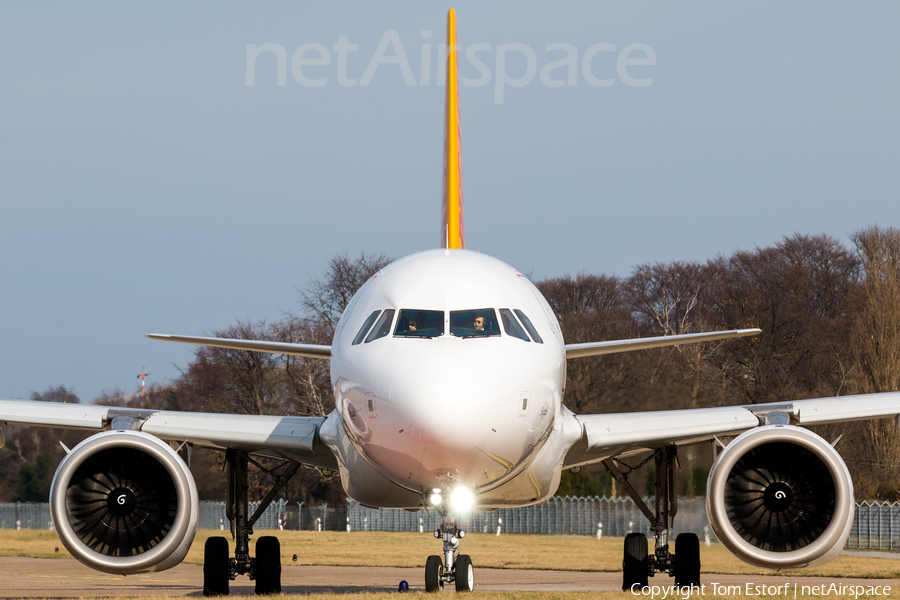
[[455, 568], [637, 563], [265, 567]]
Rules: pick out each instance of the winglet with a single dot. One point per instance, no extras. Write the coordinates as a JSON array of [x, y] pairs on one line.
[[453, 234]]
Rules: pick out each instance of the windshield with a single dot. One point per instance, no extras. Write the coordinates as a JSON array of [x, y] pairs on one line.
[[529, 326], [383, 326], [511, 326], [480, 322], [420, 323], [365, 328]]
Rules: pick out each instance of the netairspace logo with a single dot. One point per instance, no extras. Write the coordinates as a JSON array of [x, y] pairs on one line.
[[311, 64], [789, 590]]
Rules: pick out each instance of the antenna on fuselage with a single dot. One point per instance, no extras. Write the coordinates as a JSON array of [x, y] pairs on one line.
[[453, 234]]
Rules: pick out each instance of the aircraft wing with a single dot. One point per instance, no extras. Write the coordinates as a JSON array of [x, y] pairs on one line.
[[572, 350], [622, 434], [614, 346], [295, 438], [307, 350]]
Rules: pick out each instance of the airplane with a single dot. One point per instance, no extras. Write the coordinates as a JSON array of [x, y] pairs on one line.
[[449, 371]]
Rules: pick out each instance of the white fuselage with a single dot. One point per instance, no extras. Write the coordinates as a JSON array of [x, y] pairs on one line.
[[449, 405]]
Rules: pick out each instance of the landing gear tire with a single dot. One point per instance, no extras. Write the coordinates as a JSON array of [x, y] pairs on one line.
[[634, 562], [687, 560], [434, 574], [216, 570], [465, 573], [268, 565]]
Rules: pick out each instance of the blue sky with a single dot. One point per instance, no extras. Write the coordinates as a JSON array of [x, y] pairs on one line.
[[145, 187]]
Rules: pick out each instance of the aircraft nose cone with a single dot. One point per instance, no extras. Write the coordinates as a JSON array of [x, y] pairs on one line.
[[452, 407]]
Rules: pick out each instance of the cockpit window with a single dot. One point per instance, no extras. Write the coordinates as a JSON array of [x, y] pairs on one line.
[[420, 323], [511, 326], [383, 326], [365, 328], [481, 322], [529, 326]]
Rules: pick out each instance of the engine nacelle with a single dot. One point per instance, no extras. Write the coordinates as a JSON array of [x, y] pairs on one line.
[[780, 497], [124, 502]]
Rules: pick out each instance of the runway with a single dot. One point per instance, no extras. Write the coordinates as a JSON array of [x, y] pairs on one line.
[[66, 578]]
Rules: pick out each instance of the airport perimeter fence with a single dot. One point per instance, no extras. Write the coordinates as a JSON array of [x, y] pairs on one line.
[[557, 516], [876, 525]]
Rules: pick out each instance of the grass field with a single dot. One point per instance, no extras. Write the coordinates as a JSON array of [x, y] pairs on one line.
[[510, 551]]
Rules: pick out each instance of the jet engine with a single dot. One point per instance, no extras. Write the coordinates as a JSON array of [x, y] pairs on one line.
[[124, 502], [780, 497]]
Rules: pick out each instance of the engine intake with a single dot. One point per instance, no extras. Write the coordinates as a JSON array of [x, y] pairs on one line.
[[780, 497], [124, 502]]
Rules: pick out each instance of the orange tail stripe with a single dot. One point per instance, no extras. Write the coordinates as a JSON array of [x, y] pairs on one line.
[[454, 233]]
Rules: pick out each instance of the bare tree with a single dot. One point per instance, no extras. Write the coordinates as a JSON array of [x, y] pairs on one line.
[[56, 394], [308, 380], [667, 297], [237, 381], [876, 342], [325, 298], [876, 336], [801, 293], [672, 299], [589, 308]]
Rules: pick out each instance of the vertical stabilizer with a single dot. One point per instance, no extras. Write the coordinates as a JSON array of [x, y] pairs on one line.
[[453, 234]]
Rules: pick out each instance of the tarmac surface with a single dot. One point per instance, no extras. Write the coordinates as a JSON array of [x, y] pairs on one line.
[[66, 578]]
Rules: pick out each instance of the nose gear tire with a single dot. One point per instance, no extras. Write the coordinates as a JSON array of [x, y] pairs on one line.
[[434, 572], [465, 574]]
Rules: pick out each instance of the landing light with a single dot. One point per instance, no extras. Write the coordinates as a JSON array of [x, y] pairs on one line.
[[462, 499], [435, 499]]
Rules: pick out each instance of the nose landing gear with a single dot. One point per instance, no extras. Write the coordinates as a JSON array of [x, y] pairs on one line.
[[454, 568]]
